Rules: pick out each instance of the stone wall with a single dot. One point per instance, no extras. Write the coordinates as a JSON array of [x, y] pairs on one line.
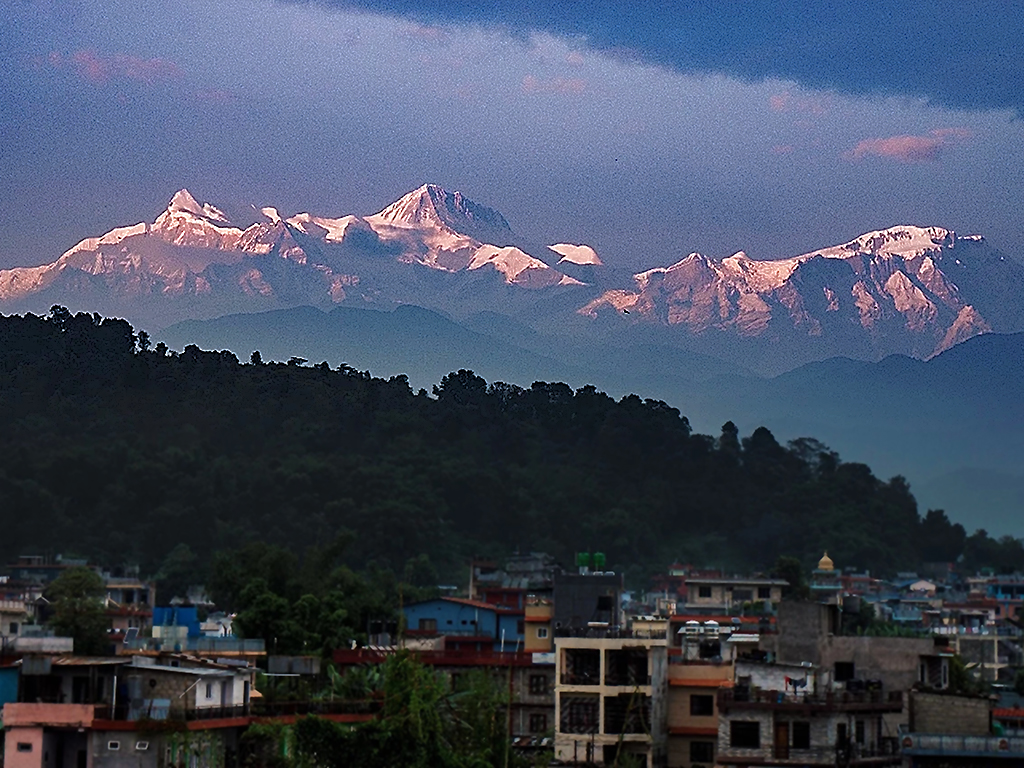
[[946, 714]]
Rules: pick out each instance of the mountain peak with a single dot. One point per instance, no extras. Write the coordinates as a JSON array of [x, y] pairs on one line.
[[184, 202], [431, 206]]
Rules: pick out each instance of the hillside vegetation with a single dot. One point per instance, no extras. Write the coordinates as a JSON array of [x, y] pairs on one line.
[[120, 452]]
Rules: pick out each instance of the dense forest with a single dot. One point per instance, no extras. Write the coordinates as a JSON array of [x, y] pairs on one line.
[[122, 451]]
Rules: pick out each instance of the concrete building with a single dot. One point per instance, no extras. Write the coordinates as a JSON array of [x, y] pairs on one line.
[[727, 595], [75, 712], [610, 697], [945, 730], [785, 714]]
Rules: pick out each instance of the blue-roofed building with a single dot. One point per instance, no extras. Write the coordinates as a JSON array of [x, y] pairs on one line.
[[466, 624]]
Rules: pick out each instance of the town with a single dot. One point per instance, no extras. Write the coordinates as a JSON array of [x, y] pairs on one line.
[[829, 667]]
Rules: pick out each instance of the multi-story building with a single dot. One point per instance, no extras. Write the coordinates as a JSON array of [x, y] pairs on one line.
[[610, 696], [725, 595], [74, 712], [786, 714]]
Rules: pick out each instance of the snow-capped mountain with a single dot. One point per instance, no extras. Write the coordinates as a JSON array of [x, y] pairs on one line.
[[906, 289], [895, 290]]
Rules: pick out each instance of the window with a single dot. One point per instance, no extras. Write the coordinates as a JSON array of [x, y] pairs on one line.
[[141, 746], [704, 591], [702, 751], [542, 633], [520, 627], [113, 746], [801, 735], [745, 734], [429, 625], [209, 690], [538, 723], [702, 705], [742, 595], [764, 593], [858, 731], [538, 685], [844, 671], [24, 746], [13, 628]]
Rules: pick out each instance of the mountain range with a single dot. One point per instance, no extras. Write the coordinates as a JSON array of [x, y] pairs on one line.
[[909, 290], [900, 348]]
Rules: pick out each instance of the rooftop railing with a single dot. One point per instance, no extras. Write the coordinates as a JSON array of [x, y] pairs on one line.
[[962, 746], [744, 697]]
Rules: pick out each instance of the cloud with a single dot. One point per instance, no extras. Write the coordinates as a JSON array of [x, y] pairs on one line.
[[560, 85], [803, 104], [910, 149], [100, 69], [427, 33], [954, 53]]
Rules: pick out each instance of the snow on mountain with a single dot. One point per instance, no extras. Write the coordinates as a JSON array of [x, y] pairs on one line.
[[187, 223], [890, 283], [192, 248], [430, 206], [519, 267], [576, 254], [915, 290]]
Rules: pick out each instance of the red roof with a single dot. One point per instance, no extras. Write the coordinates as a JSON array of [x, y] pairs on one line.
[[472, 603]]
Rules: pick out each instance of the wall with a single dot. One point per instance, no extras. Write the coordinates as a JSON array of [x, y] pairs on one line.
[[31, 735], [128, 755], [945, 714], [893, 660]]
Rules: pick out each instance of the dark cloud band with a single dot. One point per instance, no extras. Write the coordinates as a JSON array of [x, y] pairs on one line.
[[954, 53]]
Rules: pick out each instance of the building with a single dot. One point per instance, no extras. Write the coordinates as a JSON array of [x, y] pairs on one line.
[[946, 730], [788, 714], [466, 624], [726, 595], [74, 712], [587, 599], [702, 657], [538, 617], [610, 696], [693, 714], [529, 677]]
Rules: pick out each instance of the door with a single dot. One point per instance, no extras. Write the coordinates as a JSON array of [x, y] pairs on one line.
[[781, 741]]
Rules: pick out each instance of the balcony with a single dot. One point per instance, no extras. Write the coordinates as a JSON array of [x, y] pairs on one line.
[[162, 711], [849, 701], [830, 755], [611, 633], [220, 645]]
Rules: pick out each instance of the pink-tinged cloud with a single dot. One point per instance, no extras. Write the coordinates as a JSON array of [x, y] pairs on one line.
[[99, 69], [425, 33], [559, 85], [910, 149]]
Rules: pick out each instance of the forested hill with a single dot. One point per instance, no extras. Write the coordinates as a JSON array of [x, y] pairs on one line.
[[119, 452]]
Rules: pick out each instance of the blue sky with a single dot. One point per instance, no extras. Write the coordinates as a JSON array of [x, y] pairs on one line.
[[775, 128]]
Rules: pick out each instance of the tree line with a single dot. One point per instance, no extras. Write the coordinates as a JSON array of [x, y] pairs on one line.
[[124, 451]]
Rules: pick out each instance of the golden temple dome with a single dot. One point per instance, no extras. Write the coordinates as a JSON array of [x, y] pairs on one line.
[[826, 564]]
